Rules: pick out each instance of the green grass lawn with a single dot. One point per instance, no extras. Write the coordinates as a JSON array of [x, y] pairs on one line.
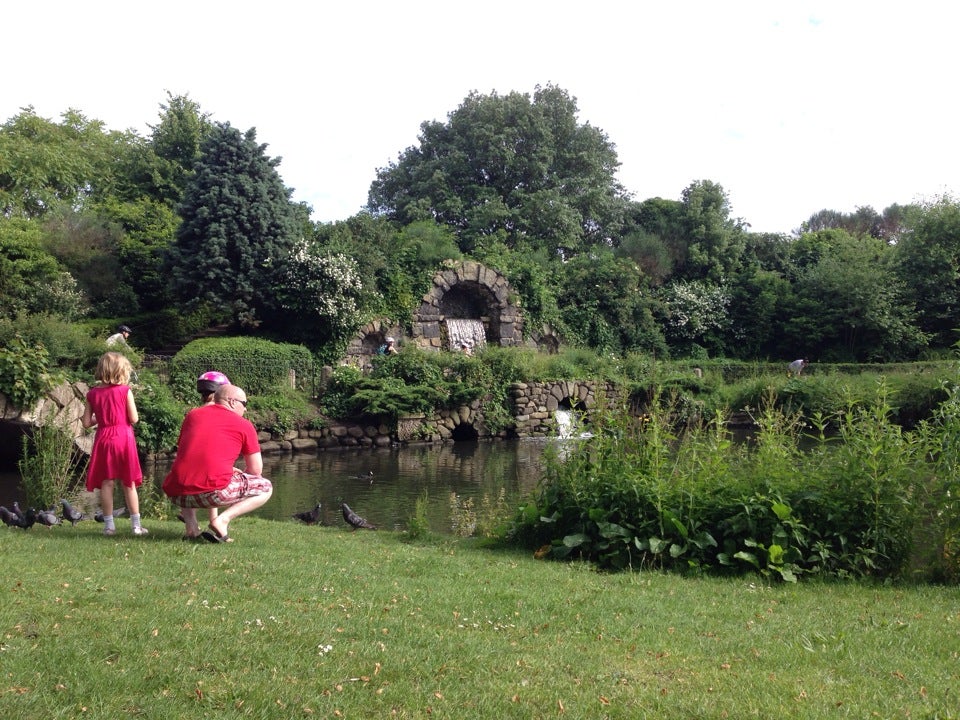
[[297, 621]]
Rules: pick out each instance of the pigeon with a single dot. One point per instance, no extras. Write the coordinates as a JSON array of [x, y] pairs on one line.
[[18, 518], [310, 517], [119, 512], [353, 519], [48, 517], [29, 518], [71, 513], [9, 517]]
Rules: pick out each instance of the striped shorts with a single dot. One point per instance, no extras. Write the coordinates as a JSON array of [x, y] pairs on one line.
[[241, 486]]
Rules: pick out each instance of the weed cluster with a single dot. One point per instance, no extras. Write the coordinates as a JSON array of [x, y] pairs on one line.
[[653, 492]]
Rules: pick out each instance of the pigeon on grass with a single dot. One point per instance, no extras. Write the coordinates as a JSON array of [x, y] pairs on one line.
[[310, 517], [355, 520]]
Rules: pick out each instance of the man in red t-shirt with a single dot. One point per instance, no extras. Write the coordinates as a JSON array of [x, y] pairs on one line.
[[203, 476]]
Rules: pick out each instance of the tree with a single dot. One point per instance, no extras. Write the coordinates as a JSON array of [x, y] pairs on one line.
[[238, 226], [325, 292], [44, 164], [32, 282], [606, 305], [508, 168], [715, 241], [176, 141], [928, 262], [850, 306]]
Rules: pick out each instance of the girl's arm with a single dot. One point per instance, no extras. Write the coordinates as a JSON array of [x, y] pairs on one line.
[[88, 420], [132, 415]]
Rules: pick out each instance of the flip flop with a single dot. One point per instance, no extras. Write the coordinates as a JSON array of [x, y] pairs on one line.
[[211, 535]]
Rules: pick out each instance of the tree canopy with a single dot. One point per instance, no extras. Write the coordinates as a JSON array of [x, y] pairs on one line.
[[507, 168], [238, 228]]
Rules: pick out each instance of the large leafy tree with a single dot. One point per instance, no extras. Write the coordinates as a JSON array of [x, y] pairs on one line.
[[44, 164], [849, 305], [714, 240], [238, 228], [176, 142], [32, 282], [508, 168], [928, 262]]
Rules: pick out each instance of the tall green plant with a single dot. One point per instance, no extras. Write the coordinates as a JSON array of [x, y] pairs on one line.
[[50, 464]]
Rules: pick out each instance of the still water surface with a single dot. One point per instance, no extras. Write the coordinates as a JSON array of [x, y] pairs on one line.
[[401, 475]]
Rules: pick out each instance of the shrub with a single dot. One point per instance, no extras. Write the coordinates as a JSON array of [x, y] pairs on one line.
[[25, 372], [161, 414], [258, 366]]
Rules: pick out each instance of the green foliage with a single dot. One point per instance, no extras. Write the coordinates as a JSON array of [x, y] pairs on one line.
[[467, 520], [324, 291], [238, 227], [49, 465], [160, 414], [44, 164], [69, 346], [508, 166], [258, 366], [280, 410], [638, 494], [25, 372], [606, 305], [418, 525], [31, 279]]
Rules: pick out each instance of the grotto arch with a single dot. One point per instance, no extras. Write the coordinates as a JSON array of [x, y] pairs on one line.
[[468, 305]]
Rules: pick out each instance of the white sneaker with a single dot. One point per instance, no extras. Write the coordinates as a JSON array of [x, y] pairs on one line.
[[140, 531]]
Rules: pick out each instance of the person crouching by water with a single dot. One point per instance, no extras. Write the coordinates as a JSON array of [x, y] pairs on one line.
[[202, 474], [796, 367]]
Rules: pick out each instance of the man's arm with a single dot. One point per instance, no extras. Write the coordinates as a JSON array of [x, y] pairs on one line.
[[253, 463]]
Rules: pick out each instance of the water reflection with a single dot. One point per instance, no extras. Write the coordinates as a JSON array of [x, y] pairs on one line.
[[388, 497]]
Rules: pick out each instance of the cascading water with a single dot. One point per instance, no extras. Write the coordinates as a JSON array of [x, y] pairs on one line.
[[465, 333], [569, 423]]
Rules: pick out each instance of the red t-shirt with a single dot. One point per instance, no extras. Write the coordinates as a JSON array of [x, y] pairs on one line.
[[212, 437]]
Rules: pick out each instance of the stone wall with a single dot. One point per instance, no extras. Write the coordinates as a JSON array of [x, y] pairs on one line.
[[62, 406], [535, 404]]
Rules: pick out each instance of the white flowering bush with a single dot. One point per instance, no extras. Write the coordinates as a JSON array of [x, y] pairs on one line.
[[696, 311], [326, 288]]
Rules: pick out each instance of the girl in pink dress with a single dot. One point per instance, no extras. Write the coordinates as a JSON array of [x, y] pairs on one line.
[[111, 408]]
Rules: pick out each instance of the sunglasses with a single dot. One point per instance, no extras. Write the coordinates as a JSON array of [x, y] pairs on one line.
[[242, 402]]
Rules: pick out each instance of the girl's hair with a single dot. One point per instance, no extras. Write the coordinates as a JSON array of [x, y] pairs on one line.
[[113, 368]]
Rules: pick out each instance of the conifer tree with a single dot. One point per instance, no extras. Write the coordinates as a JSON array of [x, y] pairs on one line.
[[238, 226]]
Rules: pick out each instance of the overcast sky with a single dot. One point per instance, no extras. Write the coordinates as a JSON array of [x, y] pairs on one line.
[[792, 106]]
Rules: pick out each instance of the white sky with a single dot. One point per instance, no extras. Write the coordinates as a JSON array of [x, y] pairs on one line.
[[792, 106]]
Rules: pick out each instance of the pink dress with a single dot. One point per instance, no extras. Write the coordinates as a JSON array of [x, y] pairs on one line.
[[114, 455]]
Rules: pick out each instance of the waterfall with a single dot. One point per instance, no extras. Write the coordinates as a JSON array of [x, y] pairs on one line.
[[569, 424], [465, 331]]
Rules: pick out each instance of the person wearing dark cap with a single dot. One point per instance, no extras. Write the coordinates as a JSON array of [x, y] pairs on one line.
[[120, 336]]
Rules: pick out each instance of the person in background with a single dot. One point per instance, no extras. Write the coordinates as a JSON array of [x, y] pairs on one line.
[[203, 475], [389, 347], [111, 408], [120, 336], [796, 367]]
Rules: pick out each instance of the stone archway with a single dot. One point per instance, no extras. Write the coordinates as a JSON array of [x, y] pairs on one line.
[[468, 299], [366, 341]]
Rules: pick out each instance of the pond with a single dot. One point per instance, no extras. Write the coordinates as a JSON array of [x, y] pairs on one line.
[[475, 471]]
